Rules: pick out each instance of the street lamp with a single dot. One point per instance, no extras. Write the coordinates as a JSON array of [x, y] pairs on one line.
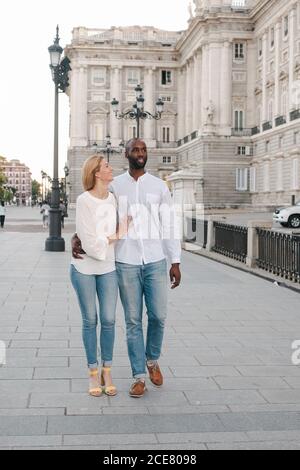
[[137, 112], [59, 70], [108, 149]]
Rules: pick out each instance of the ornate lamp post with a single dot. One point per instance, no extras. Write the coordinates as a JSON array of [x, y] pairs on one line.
[[137, 113], [108, 149], [59, 69]]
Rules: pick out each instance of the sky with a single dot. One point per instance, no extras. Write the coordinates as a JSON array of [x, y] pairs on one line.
[[27, 29]]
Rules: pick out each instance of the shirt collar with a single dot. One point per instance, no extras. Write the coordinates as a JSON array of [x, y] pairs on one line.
[[141, 178]]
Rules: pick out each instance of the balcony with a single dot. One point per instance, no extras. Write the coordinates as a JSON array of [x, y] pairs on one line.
[[241, 132], [295, 115], [166, 145], [267, 126], [280, 120], [255, 130]]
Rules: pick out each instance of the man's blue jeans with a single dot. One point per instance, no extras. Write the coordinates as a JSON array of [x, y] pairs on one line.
[[87, 288], [148, 281]]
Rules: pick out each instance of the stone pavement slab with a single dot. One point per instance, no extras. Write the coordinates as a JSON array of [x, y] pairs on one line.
[[229, 378]]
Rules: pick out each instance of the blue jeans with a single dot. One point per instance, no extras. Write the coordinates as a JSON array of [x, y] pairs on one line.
[[148, 281], [105, 288]]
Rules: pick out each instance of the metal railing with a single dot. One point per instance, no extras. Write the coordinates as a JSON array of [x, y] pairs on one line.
[[241, 132], [267, 126], [231, 241], [295, 114], [280, 120], [279, 253], [255, 130]]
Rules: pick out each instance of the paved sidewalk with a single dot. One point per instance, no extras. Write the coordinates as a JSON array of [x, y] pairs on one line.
[[230, 382]]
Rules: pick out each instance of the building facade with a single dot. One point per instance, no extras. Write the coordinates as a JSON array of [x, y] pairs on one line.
[[229, 136], [18, 176]]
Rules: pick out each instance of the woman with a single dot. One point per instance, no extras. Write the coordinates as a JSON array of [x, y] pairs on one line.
[[2, 213], [95, 276]]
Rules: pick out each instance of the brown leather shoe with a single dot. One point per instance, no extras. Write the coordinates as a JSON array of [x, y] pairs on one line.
[[138, 389], [155, 374]]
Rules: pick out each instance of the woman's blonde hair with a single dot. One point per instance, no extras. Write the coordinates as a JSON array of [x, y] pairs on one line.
[[90, 168]]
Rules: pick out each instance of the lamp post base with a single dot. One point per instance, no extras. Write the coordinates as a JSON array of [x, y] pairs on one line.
[[55, 245], [55, 242]]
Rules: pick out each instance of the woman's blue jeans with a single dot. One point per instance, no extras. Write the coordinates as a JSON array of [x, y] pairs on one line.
[[88, 288], [136, 283]]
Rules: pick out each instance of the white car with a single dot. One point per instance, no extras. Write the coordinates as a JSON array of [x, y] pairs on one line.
[[288, 216]]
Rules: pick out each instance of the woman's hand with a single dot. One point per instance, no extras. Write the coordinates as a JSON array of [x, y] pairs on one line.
[[122, 229]]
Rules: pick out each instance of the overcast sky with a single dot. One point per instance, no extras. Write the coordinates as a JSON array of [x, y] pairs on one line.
[[27, 29]]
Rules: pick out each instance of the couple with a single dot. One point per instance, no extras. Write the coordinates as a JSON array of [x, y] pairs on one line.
[[129, 255]]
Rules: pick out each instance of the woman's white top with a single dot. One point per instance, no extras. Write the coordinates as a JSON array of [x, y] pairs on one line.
[[96, 220], [2, 210]]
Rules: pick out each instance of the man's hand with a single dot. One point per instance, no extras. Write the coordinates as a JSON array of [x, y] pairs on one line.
[[175, 275], [76, 247]]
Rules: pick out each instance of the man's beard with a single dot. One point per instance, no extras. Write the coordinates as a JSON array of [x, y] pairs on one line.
[[136, 165]]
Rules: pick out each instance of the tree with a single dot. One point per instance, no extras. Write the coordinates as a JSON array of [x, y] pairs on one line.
[[36, 190], [3, 181]]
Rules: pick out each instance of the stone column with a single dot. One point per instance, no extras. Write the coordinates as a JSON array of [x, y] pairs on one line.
[[189, 99], [150, 101], [215, 78], [197, 91], [264, 78], [277, 68], [78, 112], [226, 89], [204, 83], [292, 25], [181, 104], [251, 81], [115, 85], [252, 252]]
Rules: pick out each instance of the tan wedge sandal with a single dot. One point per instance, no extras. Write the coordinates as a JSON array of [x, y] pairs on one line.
[[95, 391], [109, 390]]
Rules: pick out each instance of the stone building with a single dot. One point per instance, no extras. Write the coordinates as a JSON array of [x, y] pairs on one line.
[[229, 136], [19, 177]]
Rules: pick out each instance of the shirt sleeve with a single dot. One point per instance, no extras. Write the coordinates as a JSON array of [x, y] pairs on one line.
[[93, 241], [170, 228]]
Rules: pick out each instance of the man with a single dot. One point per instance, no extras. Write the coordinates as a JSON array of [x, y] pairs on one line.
[[141, 262]]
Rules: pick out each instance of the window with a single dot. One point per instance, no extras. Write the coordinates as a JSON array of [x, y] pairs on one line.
[[167, 159], [280, 175], [286, 26], [133, 77], [99, 76], [284, 104], [132, 132], [271, 111], [295, 174], [267, 146], [253, 179], [242, 179], [239, 120], [166, 77], [272, 38], [239, 51], [245, 150], [267, 177], [167, 99], [260, 47], [166, 135], [98, 132]]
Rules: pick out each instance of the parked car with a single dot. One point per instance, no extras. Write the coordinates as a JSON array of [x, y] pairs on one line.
[[288, 216]]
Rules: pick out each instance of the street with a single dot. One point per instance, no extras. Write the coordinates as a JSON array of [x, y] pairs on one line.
[[229, 378]]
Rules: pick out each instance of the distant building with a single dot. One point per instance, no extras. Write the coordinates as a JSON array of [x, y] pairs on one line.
[[230, 133], [19, 177]]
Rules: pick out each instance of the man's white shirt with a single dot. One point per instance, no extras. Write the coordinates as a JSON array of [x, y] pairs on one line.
[[154, 232]]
